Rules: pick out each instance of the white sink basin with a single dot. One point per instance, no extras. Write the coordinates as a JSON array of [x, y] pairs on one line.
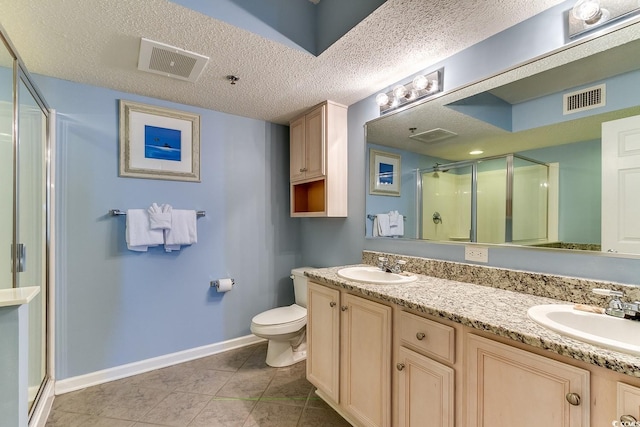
[[375, 275], [599, 329]]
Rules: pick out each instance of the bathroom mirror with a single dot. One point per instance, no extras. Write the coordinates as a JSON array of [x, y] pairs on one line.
[[538, 180]]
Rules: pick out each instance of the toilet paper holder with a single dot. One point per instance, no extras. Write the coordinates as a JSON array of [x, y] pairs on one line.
[[216, 283]]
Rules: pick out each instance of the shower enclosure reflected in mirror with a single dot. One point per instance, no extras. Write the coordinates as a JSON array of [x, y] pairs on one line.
[[551, 194]]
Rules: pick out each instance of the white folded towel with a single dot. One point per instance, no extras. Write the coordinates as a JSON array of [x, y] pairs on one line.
[[159, 216], [398, 229], [184, 230], [388, 225], [384, 229], [138, 234]]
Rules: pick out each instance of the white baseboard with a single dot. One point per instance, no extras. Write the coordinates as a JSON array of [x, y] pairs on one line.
[[123, 371]]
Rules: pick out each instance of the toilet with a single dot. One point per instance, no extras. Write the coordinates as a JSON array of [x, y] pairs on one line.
[[285, 327]]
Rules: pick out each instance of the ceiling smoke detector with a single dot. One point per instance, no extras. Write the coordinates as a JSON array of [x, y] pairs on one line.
[[170, 61], [433, 135]]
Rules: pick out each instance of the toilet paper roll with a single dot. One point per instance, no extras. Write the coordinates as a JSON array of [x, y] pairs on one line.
[[224, 285]]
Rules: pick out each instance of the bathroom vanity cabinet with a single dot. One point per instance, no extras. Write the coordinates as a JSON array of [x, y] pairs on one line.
[[318, 162], [379, 363], [349, 354], [506, 384]]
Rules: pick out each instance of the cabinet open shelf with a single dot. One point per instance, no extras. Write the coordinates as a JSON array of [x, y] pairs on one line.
[[308, 198]]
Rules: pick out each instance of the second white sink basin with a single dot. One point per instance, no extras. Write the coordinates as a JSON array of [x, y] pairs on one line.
[[375, 275], [599, 329]]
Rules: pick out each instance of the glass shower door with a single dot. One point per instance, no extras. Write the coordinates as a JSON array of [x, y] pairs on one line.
[[31, 248], [6, 167]]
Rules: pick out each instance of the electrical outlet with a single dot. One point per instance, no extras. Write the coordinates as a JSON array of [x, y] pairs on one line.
[[476, 253]]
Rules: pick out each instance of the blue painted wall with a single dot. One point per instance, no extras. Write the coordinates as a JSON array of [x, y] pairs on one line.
[[115, 306], [326, 243]]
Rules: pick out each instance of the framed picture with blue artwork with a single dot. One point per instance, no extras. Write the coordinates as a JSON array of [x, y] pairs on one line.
[[159, 143], [384, 173]]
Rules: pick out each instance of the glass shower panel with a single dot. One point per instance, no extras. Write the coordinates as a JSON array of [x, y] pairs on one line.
[[446, 204], [32, 230], [530, 201], [491, 200], [6, 167]]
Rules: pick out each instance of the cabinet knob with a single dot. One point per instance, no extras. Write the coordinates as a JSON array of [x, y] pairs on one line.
[[420, 336], [573, 399], [628, 419], [303, 169], [400, 366], [344, 308], [332, 304]]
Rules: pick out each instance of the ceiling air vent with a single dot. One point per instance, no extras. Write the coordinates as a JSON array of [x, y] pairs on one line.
[[584, 99], [433, 135], [170, 61]]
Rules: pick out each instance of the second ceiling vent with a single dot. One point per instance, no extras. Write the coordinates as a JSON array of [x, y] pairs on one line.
[[584, 99], [170, 61]]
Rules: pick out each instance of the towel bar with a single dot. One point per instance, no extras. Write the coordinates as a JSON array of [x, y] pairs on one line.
[[116, 212], [372, 217]]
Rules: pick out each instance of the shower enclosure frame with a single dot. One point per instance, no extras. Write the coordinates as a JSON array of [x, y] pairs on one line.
[[42, 398], [473, 232]]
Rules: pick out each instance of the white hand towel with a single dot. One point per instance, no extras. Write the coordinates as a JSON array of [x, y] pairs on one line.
[[184, 230], [375, 228], [393, 219], [398, 230], [138, 234], [159, 216], [383, 225]]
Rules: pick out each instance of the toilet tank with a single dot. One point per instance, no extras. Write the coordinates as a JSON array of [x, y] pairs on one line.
[[300, 285]]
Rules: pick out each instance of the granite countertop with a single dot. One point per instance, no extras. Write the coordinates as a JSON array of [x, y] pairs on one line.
[[498, 311]]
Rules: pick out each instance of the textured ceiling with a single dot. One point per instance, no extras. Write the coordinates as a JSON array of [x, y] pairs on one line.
[[96, 42]]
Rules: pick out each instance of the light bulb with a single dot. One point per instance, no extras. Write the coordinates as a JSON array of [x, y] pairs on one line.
[[399, 91], [382, 99], [587, 10], [420, 82], [432, 86]]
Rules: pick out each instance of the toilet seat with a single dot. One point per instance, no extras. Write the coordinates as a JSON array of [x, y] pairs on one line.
[[281, 320]]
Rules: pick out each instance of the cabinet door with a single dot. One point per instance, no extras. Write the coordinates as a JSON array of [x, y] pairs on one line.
[[425, 391], [296, 149], [512, 387], [315, 142], [323, 339], [628, 410], [366, 361]]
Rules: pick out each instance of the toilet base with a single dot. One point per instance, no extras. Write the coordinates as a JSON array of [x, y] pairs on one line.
[[281, 353]]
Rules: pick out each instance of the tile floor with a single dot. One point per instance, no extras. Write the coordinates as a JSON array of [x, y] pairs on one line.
[[234, 388]]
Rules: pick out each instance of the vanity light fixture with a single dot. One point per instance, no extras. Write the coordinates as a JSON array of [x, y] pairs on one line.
[[476, 152], [421, 87], [587, 15]]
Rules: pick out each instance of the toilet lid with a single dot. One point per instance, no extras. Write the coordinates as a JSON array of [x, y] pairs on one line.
[[281, 315]]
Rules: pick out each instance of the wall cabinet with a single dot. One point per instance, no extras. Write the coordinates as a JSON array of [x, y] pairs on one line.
[[363, 349], [507, 386], [318, 161]]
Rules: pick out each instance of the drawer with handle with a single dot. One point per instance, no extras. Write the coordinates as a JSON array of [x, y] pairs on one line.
[[428, 337]]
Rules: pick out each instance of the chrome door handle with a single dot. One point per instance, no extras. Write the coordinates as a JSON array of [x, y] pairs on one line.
[[21, 257]]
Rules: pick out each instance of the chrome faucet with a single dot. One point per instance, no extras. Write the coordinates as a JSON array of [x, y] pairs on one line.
[[395, 268], [617, 307]]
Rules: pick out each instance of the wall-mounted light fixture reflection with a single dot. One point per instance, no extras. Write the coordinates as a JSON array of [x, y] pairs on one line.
[[421, 87], [587, 15]]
